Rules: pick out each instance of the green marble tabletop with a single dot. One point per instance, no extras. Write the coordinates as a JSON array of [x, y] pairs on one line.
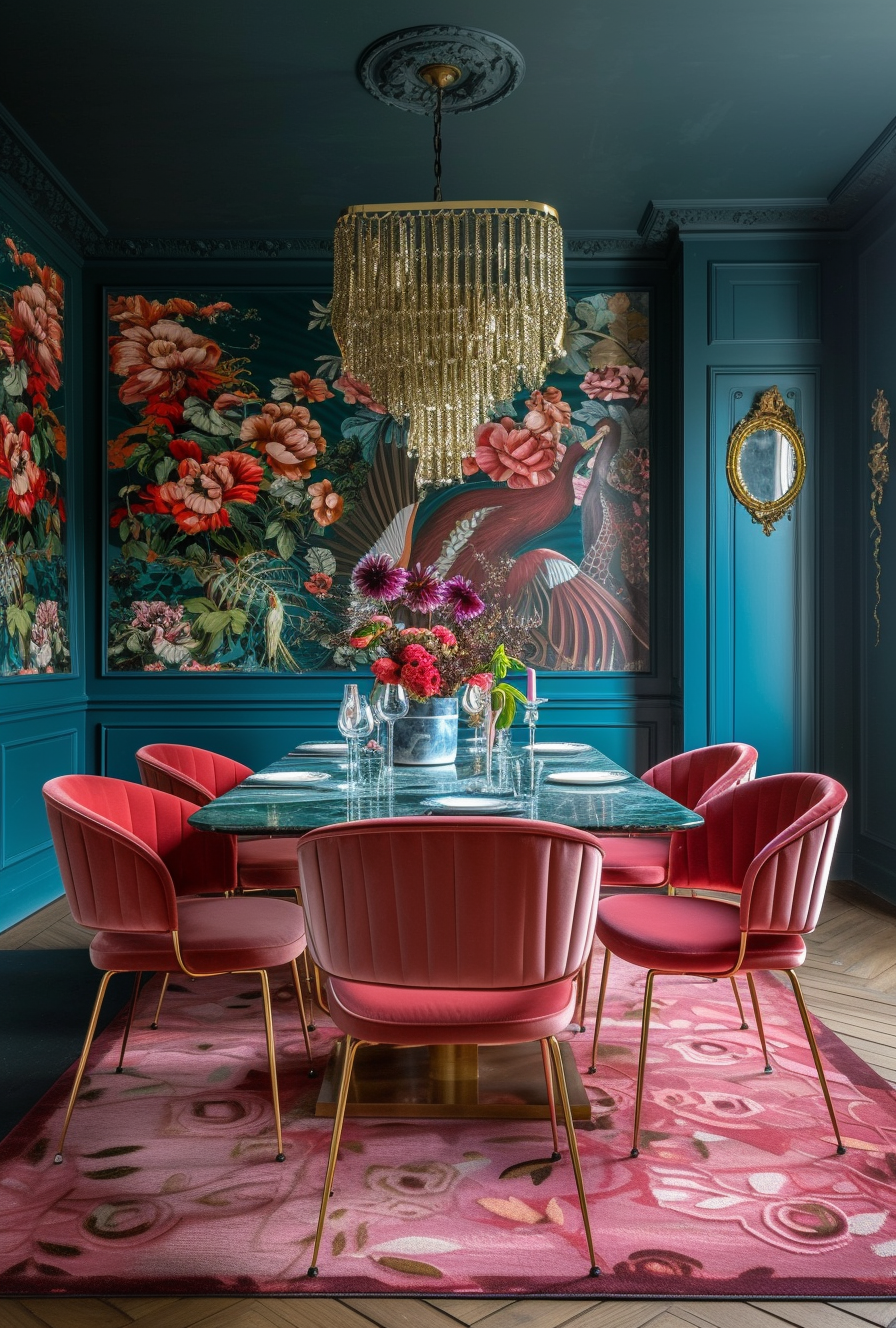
[[629, 807]]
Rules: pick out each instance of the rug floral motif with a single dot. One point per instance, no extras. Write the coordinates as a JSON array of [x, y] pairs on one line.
[[170, 1185]]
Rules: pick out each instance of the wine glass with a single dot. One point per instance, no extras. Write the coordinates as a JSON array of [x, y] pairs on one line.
[[391, 703], [473, 701], [355, 722]]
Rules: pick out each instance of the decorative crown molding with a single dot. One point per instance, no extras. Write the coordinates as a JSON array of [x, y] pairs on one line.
[[24, 166], [309, 245]]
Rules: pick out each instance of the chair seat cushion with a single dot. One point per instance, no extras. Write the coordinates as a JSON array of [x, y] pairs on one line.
[[268, 864], [216, 936], [639, 860], [678, 935], [409, 1016]]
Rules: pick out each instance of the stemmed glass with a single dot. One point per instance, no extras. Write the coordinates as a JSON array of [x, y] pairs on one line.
[[474, 701], [391, 704], [355, 723]]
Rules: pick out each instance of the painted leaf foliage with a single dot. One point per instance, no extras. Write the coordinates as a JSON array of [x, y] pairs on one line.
[[34, 627], [249, 472]]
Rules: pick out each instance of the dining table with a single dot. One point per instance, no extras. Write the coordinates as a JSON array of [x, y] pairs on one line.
[[446, 1081]]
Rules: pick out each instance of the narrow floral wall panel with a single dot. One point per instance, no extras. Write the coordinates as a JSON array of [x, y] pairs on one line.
[[248, 474], [34, 630]]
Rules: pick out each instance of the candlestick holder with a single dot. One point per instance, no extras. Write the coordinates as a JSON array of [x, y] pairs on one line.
[[531, 720]]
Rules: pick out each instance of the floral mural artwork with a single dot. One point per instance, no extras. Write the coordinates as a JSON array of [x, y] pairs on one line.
[[34, 633], [249, 473]]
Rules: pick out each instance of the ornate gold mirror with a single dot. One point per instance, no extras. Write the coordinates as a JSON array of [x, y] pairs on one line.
[[767, 460]]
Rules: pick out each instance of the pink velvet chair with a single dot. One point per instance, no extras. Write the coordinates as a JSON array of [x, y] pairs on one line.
[[131, 865], [771, 841], [691, 779], [199, 776], [642, 861], [450, 931]]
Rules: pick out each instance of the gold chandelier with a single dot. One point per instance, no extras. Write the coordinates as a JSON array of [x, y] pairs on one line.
[[445, 309]]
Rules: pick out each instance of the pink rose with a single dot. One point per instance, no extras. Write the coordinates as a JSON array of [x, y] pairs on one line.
[[522, 458], [616, 382]]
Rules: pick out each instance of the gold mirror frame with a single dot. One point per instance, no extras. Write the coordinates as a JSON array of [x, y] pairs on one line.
[[772, 412]]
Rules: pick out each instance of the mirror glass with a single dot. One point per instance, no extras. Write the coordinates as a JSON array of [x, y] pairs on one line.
[[767, 465]]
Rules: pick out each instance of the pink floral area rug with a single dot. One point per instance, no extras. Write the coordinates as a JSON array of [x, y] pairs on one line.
[[169, 1184]]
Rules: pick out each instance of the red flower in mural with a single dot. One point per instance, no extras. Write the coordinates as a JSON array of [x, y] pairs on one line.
[[326, 506], [288, 438], [199, 498], [137, 311], [308, 388], [519, 456], [163, 365], [319, 584], [35, 332], [616, 382], [357, 393], [27, 482]]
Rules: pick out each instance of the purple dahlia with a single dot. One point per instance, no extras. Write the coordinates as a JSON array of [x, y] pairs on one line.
[[461, 596], [377, 577], [423, 590]]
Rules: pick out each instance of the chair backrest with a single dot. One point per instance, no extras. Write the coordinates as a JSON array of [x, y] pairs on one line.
[[126, 851], [191, 773], [694, 777], [478, 903], [772, 839]]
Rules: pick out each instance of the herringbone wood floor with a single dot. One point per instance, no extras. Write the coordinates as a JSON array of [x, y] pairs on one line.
[[850, 982]]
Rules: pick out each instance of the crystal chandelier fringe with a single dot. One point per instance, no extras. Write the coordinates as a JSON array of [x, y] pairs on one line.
[[444, 310]]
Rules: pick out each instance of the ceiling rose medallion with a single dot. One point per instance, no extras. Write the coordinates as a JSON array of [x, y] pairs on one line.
[[446, 308]]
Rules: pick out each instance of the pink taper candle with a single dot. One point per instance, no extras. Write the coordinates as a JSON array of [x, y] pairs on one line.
[[530, 684]]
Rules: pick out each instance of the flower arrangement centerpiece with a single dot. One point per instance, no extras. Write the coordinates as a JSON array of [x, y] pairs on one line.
[[433, 636]]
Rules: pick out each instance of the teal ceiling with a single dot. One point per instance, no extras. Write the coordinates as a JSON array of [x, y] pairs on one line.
[[203, 119]]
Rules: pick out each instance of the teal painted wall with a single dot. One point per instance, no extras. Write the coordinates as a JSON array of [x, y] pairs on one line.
[[874, 713], [43, 717]]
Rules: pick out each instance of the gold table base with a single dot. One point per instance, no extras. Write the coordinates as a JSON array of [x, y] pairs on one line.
[[450, 1082]]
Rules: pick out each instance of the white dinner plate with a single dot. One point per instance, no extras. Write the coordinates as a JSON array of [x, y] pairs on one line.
[[287, 778], [586, 777], [320, 749], [561, 748], [456, 802]]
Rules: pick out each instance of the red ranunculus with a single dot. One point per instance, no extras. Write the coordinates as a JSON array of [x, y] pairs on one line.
[[385, 670], [442, 634]]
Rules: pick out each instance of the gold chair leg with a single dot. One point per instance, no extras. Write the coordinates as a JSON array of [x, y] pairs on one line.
[[155, 1022], [569, 1126], [132, 1005], [804, 1015], [740, 1008], [301, 1000], [79, 1073], [583, 982], [349, 1053], [552, 1106], [318, 990], [272, 1058], [604, 975], [642, 1059], [759, 1028]]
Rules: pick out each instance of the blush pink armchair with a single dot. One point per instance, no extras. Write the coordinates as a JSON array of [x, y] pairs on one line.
[[771, 842], [131, 866], [200, 776], [450, 931]]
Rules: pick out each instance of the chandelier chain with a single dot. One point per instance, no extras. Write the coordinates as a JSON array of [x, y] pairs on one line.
[[437, 146]]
